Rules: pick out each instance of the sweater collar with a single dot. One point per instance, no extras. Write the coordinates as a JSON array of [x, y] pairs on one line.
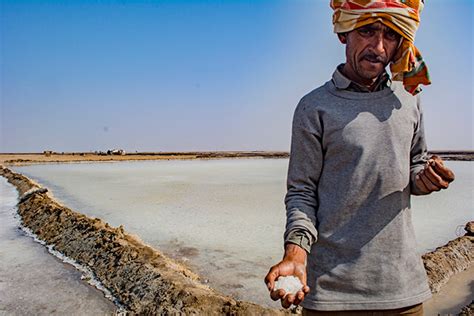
[[344, 83]]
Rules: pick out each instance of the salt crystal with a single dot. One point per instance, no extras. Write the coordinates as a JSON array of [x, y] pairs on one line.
[[290, 284]]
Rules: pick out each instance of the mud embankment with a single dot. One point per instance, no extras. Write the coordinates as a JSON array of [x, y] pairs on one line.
[[142, 279], [456, 256], [468, 310]]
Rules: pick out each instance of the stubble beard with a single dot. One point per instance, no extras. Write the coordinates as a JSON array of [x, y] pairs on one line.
[[368, 72]]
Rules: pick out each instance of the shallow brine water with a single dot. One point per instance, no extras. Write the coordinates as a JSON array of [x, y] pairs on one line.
[[32, 281], [224, 217]]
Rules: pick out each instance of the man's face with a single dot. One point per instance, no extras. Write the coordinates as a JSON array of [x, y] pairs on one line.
[[369, 49]]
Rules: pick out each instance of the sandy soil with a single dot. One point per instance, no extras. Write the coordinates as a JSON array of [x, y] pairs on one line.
[[29, 158]]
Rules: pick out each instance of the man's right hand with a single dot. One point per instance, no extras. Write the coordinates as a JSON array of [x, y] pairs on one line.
[[293, 263]]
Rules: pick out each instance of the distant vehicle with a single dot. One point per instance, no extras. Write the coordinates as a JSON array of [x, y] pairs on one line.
[[116, 152]]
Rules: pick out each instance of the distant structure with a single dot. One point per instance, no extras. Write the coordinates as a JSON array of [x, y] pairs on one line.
[[119, 152], [47, 153]]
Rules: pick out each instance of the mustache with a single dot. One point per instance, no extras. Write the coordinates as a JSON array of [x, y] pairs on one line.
[[374, 58]]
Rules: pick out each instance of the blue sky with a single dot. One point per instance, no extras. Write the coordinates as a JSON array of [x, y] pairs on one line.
[[197, 75]]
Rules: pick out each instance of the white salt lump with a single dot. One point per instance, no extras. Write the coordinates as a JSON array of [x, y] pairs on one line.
[[290, 284]]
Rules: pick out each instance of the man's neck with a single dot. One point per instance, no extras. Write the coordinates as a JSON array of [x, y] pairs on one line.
[[370, 84]]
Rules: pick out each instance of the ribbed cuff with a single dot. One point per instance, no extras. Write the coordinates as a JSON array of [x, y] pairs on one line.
[[299, 239]]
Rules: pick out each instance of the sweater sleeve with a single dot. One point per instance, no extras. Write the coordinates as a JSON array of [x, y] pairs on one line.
[[418, 152], [306, 158]]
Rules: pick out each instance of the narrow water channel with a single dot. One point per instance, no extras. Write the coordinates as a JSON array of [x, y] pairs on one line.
[[34, 282]]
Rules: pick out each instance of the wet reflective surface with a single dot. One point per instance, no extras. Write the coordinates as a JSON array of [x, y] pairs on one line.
[[454, 295], [32, 281]]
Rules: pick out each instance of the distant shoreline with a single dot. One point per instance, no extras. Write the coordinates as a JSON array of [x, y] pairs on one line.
[[459, 155], [55, 157], [34, 158]]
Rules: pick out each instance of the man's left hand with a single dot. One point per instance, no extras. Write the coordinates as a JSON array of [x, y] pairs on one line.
[[434, 177]]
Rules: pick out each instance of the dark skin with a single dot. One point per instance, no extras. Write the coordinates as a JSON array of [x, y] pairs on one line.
[[293, 263], [434, 177], [369, 49]]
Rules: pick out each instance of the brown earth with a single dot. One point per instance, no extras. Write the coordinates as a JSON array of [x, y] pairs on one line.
[[468, 310], [31, 158], [457, 255]]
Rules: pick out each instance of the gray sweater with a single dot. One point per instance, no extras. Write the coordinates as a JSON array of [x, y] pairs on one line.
[[352, 164]]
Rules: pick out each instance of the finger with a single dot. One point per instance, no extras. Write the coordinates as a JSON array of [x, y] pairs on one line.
[[435, 178], [287, 300], [420, 184], [443, 171], [430, 186], [306, 289], [298, 298], [271, 276], [436, 158], [285, 304], [278, 294]]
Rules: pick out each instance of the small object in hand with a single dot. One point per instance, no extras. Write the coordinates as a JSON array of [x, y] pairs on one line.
[[290, 284], [431, 162]]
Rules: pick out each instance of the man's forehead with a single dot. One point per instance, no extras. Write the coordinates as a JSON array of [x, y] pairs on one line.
[[377, 26]]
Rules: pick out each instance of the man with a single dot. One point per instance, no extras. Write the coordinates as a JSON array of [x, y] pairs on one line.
[[357, 153]]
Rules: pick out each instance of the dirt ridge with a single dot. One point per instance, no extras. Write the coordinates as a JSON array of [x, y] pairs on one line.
[[444, 262]]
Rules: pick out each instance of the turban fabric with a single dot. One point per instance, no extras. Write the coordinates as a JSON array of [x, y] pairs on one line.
[[402, 16]]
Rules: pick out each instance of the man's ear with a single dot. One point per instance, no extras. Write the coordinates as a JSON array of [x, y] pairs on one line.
[[342, 37]]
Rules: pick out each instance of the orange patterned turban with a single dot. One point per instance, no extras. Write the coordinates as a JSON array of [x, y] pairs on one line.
[[402, 16]]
